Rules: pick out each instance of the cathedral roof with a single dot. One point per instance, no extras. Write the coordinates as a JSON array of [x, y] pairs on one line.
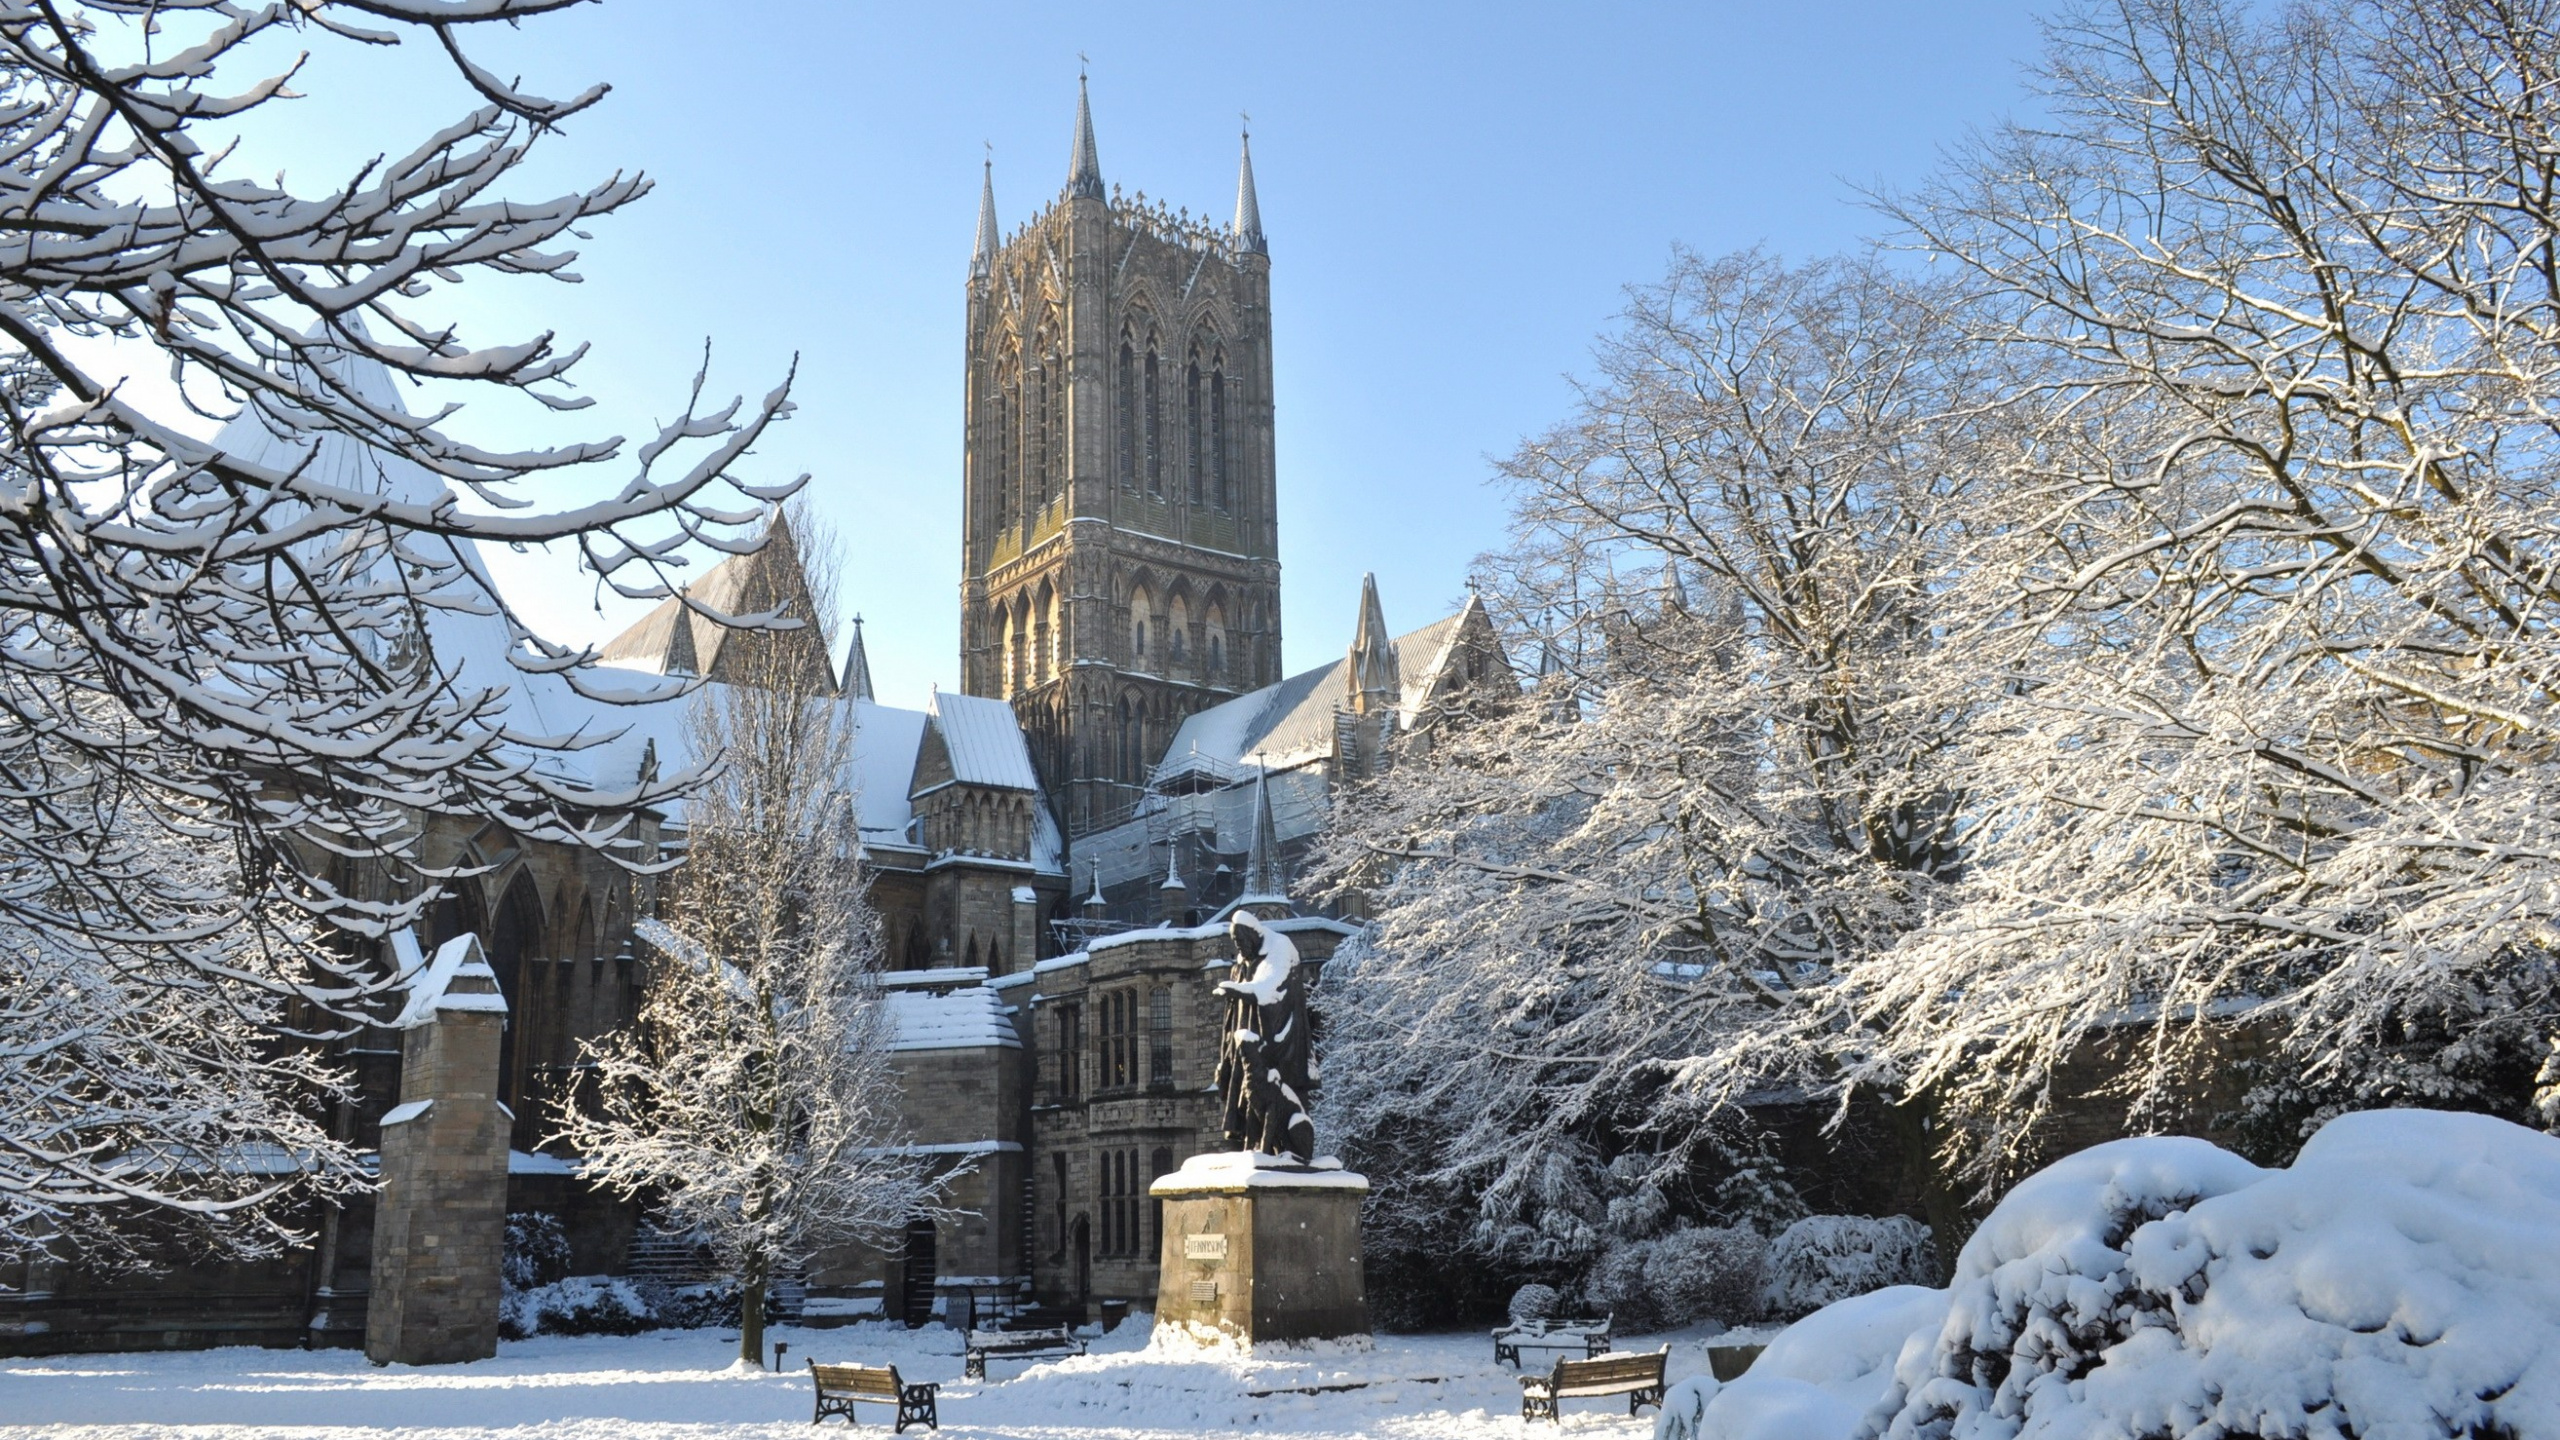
[[985, 740], [678, 638], [1291, 722], [971, 1017]]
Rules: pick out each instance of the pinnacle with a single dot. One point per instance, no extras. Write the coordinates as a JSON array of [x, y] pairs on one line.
[[1248, 229], [1084, 168], [982, 263]]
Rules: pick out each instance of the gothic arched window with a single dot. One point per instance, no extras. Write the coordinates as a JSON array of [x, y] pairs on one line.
[[1155, 424], [1053, 390], [999, 480], [1219, 448], [1194, 422], [1040, 614], [1125, 411]]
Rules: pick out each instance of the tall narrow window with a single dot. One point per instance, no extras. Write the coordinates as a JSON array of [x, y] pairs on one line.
[[999, 483], [1218, 446], [1106, 1177], [1125, 411], [1193, 430], [1160, 1037], [1070, 1050], [1035, 440], [1053, 475], [1155, 428]]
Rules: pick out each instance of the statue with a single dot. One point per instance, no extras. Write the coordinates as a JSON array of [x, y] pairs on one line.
[[1266, 1060]]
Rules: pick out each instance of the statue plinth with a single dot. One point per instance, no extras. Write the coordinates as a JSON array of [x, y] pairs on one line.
[[1261, 1247]]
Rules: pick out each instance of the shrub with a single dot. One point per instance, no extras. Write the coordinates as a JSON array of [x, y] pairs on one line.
[[537, 1251], [1823, 1258], [1534, 1302], [1704, 1272]]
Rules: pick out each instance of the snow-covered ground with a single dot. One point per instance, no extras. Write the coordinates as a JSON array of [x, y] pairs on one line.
[[679, 1384]]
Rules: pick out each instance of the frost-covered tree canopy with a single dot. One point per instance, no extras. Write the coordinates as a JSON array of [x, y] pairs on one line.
[[2133, 622], [233, 653]]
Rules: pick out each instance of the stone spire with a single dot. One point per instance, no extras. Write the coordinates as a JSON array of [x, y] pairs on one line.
[[1084, 170], [1374, 682], [1248, 231], [1094, 902], [1264, 884], [857, 667], [983, 263], [1675, 591]]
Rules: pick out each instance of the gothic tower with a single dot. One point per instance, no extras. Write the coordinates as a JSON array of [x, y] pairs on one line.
[[1120, 544]]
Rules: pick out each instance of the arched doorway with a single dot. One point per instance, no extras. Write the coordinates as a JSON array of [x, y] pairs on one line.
[[513, 936], [916, 1274]]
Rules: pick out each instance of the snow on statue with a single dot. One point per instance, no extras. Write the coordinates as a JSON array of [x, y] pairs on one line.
[[1266, 1062]]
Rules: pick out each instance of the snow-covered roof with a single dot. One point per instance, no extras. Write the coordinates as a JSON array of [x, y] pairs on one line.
[[457, 980], [1291, 722], [965, 1019], [618, 743], [985, 741]]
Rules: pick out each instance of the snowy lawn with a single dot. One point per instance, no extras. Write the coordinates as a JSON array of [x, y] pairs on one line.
[[676, 1383]]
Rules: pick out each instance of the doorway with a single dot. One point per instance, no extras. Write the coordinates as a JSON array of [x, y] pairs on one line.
[[916, 1275]]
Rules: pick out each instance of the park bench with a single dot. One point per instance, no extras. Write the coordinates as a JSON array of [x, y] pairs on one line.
[[1017, 1345], [1638, 1377], [841, 1387], [1588, 1334]]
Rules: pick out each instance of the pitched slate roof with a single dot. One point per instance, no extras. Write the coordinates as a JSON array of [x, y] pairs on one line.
[[985, 741]]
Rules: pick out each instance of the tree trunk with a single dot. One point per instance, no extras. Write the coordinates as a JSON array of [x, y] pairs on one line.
[[751, 1284], [1916, 1138]]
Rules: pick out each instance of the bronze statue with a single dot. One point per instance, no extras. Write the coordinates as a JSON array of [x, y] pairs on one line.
[[1266, 1059]]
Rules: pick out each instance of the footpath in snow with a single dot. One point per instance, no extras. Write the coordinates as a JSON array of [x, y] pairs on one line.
[[676, 1383]]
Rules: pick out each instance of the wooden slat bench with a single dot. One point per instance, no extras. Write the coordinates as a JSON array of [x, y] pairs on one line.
[[1017, 1345], [1638, 1377], [841, 1387], [1588, 1334]]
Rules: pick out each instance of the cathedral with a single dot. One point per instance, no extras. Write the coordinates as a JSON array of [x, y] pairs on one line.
[[1055, 849]]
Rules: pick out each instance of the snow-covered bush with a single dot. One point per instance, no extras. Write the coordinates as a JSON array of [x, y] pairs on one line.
[[1821, 1259], [1815, 1381], [2401, 1279], [1698, 1273], [1533, 1301], [537, 1251], [578, 1305]]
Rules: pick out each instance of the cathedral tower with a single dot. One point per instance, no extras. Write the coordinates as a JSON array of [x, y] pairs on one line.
[[1120, 543]]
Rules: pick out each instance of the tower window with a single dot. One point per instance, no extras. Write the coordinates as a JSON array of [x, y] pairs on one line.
[[1125, 410], [1155, 428], [1192, 420], [1218, 446]]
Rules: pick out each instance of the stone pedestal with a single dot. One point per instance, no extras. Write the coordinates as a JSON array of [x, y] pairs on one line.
[[1259, 1247], [440, 1223]]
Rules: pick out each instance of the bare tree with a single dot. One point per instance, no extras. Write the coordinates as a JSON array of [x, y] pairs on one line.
[[2275, 615], [1607, 911], [755, 1100], [240, 653]]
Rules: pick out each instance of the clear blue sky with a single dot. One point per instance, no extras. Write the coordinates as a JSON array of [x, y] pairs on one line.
[[1454, 194]]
